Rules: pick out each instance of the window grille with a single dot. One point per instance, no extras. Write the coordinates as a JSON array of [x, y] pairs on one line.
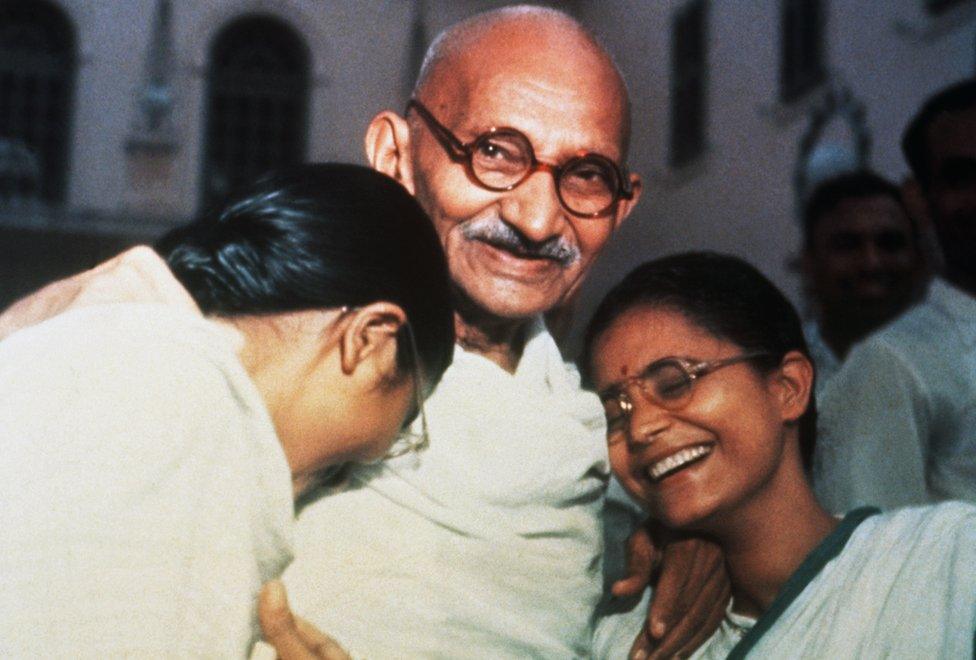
[[37, 72], [689, 69], [257, 98], [802, 64]]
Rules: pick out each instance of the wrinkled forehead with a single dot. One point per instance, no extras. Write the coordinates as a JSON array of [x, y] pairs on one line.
[[563, 99]]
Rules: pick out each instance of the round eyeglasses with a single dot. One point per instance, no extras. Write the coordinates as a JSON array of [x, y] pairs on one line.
[[667, 383], [588, 185]]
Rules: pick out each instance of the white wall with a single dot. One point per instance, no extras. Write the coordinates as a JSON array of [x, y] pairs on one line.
[[738, 198]]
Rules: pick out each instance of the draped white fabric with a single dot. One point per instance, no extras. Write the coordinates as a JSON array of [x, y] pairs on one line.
[[904, 586], [488, 544], [145, 496]]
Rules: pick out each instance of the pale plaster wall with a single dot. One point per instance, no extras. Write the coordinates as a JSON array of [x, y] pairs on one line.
[[738, 198]]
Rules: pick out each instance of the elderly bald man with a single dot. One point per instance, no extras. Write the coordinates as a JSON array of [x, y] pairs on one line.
[[489, 544]]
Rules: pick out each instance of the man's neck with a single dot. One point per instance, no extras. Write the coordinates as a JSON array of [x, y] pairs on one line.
[[499, 340], [839, 336], [842, 328]]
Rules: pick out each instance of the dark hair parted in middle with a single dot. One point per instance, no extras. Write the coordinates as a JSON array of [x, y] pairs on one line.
[[724, 296], [317, 237]]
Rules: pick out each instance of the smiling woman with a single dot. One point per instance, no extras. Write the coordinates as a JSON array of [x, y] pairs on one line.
[[705, 378], [159, 413]]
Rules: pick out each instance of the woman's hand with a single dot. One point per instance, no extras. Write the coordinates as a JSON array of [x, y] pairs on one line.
[[293, 638], [690, 596]]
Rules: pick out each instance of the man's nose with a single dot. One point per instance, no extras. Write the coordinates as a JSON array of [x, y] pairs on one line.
[[871, 255], [534, 207]]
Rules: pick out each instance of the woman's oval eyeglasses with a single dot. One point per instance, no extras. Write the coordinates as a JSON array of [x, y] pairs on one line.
[[412, 439], [667, 382]]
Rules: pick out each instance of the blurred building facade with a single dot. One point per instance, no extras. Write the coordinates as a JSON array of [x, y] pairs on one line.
[[121, 117]]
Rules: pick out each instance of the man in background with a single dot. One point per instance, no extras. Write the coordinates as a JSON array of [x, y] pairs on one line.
[[898, 421], [861, 264]]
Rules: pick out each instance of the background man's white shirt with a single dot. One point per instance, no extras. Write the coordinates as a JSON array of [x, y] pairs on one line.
[[898, 421], [825, 360]]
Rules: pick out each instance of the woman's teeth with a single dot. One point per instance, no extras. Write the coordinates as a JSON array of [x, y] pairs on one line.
[[677, 460]]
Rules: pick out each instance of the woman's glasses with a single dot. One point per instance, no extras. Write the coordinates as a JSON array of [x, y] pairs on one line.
[[667, 383], [410, 440]]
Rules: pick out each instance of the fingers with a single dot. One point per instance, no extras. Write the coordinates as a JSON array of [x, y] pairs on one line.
[[321, 645], [642, 646], [671, 593], [277, 622], [689, 600], [292, 638], [641, 560], [697, 625]]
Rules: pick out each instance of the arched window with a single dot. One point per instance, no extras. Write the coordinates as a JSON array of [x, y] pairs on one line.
[[37, 72], [257, 98]]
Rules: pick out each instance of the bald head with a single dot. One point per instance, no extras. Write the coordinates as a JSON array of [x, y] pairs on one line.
[[520, 89], [544, 45]]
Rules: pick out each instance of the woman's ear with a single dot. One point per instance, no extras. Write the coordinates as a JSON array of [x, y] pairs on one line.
[[794, 385], [369, 338], [388, 147]]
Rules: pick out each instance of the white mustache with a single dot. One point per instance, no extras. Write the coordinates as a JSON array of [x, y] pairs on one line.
[[498, 233]]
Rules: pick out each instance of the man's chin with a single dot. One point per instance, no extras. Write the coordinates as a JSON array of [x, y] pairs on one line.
[[508, 300]]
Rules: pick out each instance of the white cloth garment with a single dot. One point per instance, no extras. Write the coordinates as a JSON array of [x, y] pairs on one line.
[[898, 421], [903, 585], [825, 361], [619, 620], [145, 496], [486, 545]]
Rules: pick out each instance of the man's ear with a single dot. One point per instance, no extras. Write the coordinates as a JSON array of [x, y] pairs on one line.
[[369, 338], [625, 206], [388, 147], [794, 385]]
